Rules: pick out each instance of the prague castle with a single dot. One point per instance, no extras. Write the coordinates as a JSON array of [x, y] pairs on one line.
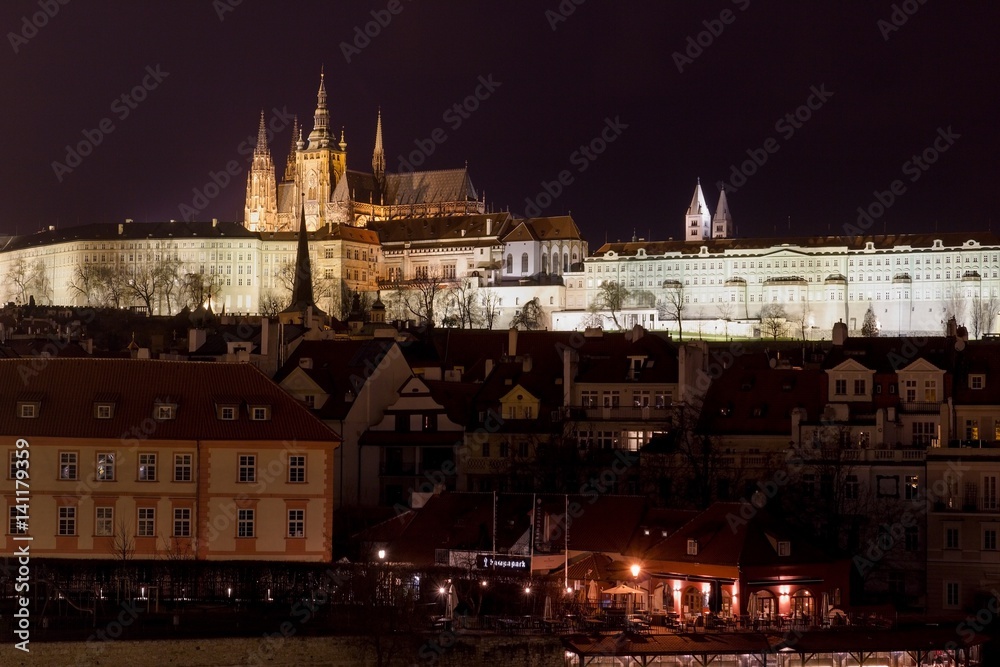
[[370, 229]]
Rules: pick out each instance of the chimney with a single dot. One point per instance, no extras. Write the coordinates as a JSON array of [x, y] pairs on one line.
[[489, 226], [215, 222], [263, 335], [839, 333], [121, 229], [489, 368], [569, 374], [512, 342], [196, 338], [526, 363]]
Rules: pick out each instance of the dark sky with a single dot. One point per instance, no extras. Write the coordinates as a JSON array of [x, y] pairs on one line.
[[557, 87]]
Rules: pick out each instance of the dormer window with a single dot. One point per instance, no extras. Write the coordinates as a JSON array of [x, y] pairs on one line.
[[26, 410], [104, 410], [784, 548], [977, 381], [260, 413], [692, 549], [165, 411], [227, 413]]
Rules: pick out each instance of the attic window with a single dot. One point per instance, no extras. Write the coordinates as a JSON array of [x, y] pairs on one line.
[[784, 549], [977, 381], [27, 410], [692, 548], [260, 413], [165, 411], [104, 410], [227, 413]]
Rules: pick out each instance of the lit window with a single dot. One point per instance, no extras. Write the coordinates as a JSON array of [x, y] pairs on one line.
[[67, 465], [105, 467], [296, 523], [692, 547], [147, 467]]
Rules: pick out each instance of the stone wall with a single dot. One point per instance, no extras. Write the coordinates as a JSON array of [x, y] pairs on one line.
[[446, 650]]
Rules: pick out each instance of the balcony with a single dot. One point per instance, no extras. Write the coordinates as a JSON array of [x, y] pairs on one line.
[[918, 407], [622, 413], [481, 465]]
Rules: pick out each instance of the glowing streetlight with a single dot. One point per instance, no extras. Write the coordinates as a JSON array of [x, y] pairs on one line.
[[635, 570], [381, 554]]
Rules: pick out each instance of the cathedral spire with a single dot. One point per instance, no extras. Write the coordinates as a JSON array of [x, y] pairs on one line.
[[320, 136], [261, 148], [290, 163], [697, 222], [722, 224], [378, 157]]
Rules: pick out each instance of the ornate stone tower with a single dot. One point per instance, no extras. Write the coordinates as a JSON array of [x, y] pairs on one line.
[[697, 222], [722, 224], [319, 163], [261, 211]]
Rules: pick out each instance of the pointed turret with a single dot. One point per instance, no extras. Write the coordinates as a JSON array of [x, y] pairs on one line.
[[290, 163], [320, 135], [378, 156], [302, 286], [260, 212], [722, 223], [697, 221]]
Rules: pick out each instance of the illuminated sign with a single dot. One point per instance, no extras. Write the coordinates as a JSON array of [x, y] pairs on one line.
[[516, 563]]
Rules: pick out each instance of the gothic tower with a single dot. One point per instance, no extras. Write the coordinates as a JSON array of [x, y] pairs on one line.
[[697, 222], [320, 163], [378, 160], [261, 210], [722, 224]]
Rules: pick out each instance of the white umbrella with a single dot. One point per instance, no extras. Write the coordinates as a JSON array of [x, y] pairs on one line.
[[547, 613], [622, 589], [451, 602], [592, 591]]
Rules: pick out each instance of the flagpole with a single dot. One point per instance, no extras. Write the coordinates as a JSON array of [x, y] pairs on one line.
[[566, 544]]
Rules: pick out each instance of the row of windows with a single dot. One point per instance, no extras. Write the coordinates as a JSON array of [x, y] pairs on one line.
[[145, 525], [641, 398], [147, 469], [952, 538], [161, 412]]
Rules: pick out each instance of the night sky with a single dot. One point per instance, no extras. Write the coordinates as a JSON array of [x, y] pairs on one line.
[[895, 89]]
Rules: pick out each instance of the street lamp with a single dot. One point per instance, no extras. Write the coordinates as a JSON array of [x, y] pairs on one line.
[[381, 554]]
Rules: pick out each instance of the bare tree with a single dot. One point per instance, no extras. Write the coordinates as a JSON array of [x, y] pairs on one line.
[[489, 306], [28, 279], [725, 310], [955, 303], [801, 318], [422, 296], [612, 296], [672, 305], [774, 320], [530, 317], [198, 289], [463, 305], [270, 304], [983, 315], [594, 318]]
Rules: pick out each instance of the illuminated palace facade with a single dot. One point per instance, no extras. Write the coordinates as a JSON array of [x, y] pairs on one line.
[[913, 282]]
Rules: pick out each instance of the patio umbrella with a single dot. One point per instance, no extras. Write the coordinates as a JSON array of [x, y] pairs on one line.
[[825, 608], [451, 602], [592, 591], [622, 589], [547, 614]]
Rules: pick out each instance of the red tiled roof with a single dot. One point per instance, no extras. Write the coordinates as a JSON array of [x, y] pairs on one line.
[[68, 389]]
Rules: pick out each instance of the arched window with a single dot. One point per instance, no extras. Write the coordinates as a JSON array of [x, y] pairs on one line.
[[693, 601], [510, 264], [803, 604], [763, 605], [545, 263], [565, 262], [524, 263], [555, 263]]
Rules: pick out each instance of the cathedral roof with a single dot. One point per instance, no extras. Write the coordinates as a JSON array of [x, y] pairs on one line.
[[419, 187], [832, 243], [334, 232]]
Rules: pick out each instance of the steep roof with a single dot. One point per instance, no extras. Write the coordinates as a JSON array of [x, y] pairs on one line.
[[68, 388], [417, 187], [559, 228], [455, 229], [338, 366]]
